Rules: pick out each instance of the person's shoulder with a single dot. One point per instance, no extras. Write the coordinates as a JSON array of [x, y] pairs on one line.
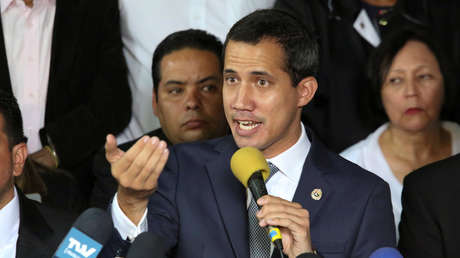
[[60, 220], [437, 174], [344, 172], [204, 149], [50, 224], [351, 172], [356, 153]]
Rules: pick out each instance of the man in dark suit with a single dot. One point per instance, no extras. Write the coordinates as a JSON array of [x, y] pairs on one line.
[[429, 222], [66, 58], [27, 229], [321, 203], [187, 99]]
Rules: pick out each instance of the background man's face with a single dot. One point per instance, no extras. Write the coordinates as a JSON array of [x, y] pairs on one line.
[[189, 104], [260, 103], [11, 164]]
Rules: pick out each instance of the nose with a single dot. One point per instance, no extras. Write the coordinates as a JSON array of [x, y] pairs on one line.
[[243, 98], [411, 88], [193, 99]]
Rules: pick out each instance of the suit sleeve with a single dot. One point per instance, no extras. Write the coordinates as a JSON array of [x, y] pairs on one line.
[[106, 108], [419, 234], [377, 227], [162, 215], [105, 185]]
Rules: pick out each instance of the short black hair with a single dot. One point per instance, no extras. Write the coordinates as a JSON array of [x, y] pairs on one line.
[[382, 58], [191, 38], [12, 119], [299, 45]]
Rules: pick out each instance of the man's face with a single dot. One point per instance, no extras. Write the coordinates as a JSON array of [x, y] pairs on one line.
[[261, 105], [189, 104], [11, 164]]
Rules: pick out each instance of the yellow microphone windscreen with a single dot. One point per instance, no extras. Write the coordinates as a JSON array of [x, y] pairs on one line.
[[246, 161]]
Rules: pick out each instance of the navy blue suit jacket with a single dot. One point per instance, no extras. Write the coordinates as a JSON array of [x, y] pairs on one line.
[[200, 206]]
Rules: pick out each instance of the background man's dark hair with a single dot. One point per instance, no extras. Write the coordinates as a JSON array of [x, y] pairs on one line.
[[382, 58], [300, 48], [12, 126], [195, 39]]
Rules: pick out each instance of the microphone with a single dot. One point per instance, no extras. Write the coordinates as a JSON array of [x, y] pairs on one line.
[[147, 245], [386, 252], [250, 167], [92, 229]]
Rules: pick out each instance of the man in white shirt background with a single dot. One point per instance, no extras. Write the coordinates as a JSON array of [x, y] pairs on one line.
[[63, 62], [27, 229]]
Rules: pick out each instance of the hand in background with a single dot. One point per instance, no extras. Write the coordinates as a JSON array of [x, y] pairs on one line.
[[44, 158]]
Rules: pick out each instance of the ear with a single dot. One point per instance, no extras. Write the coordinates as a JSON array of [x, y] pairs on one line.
[[306, 90], [19, 155], [155, 104]]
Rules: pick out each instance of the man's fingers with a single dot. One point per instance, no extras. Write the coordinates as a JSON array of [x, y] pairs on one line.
[[268, 199], [152, 180], [286, 218], [291, 218], [110, 145], [112, 152], [272, 204], [135, 160], [123, 166], [149, 168]]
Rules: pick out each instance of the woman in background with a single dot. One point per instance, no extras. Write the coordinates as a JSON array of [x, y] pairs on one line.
[[412, 85]]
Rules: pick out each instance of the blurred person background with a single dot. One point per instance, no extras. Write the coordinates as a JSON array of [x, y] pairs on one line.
[[414, 91]]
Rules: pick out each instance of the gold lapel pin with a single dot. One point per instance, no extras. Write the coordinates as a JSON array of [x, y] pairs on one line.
[[316, 194]]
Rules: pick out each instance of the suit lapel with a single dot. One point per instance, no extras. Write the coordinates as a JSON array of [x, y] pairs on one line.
[[230, 198], [5, 82], [65, 34], [34, 231], [312, 179]]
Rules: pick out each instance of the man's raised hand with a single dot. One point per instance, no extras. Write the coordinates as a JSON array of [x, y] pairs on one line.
[[137, 172]]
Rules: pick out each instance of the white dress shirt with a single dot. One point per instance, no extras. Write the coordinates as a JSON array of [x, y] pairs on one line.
[[9, 227], [368, 155], [283, 184], [290, 163], [144, 23], [28, 35]]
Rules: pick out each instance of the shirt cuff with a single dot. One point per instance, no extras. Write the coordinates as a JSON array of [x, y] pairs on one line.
[[126, 228]]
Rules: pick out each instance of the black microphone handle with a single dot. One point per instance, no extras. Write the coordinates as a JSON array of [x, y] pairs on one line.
[[256, 184]]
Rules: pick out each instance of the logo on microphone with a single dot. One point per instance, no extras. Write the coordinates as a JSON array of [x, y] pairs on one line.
[[77, 245], [274, 233]]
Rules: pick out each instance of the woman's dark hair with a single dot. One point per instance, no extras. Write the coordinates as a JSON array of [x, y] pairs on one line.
[[382, 58]]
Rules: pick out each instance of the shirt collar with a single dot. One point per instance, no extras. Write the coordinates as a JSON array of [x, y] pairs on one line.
[[290, 162], [9, 216]]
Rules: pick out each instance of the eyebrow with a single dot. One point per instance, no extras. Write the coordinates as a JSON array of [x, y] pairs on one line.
[[229, 71], [174, 82], [253, 73], [209, 78], [259, 73]]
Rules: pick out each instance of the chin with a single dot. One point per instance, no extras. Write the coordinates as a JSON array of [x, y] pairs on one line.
[[247, 142], [417, 127]]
